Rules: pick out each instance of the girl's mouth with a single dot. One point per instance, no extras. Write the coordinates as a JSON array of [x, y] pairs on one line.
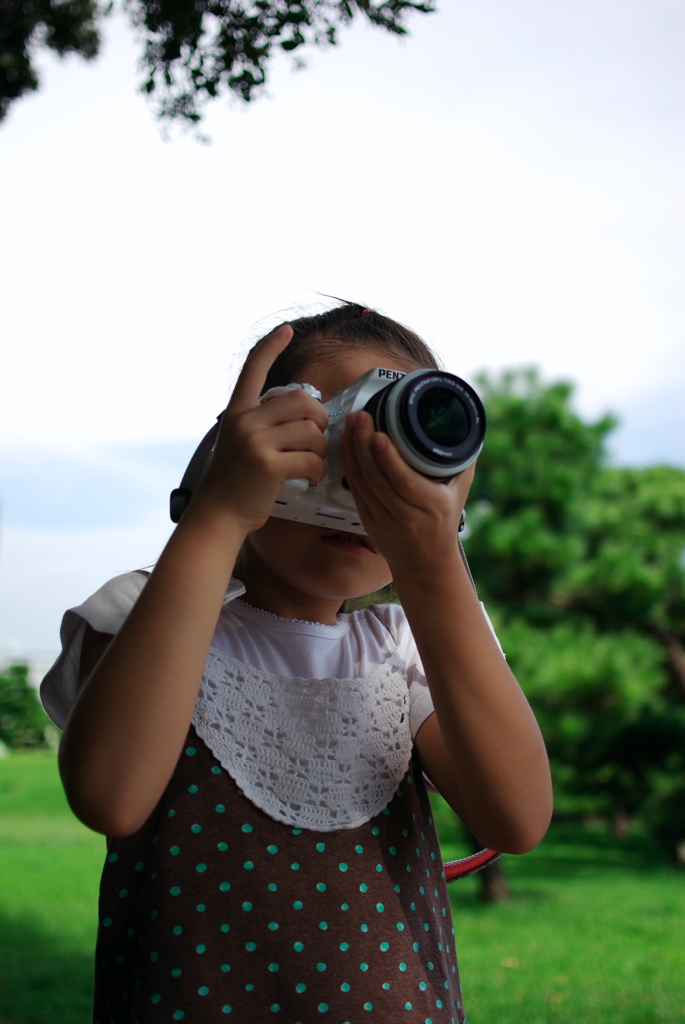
[[353, 542]]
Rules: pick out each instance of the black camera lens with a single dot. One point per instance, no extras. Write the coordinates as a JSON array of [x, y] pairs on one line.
[[435, 419], [442, 417]]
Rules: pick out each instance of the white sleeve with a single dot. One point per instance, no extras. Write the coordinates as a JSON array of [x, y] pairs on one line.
[[105, 612]]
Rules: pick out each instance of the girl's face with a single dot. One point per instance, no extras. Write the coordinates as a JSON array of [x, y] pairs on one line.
[[302, 571]]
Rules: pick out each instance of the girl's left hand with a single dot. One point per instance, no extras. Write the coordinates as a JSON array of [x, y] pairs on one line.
[[412, 521]]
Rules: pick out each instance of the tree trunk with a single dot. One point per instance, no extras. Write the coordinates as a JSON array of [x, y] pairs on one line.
[[492, 880]]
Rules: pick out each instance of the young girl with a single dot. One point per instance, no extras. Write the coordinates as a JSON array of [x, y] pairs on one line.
[[255, 755]]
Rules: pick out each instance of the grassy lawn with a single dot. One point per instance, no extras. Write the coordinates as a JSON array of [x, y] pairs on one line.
[[593, 933]]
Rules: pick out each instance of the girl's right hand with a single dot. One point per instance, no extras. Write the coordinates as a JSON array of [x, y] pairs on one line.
[[261, 446]]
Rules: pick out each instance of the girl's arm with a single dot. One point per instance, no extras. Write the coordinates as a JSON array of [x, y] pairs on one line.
[[482, 748], [127, 726]]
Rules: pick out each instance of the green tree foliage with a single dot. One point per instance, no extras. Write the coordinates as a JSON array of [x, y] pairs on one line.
[[193, 50], [582, 565], [23, 723]]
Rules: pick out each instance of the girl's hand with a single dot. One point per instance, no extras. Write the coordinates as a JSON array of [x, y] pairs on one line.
[[260, 446], [412, 521]]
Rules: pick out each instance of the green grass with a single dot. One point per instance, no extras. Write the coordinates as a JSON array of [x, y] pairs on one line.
[[594, 931]]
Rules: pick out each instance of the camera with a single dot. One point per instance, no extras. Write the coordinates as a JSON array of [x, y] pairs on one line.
[[435, 420]]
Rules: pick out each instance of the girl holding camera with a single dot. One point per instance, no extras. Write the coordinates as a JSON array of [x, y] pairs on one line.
[[255, 752]]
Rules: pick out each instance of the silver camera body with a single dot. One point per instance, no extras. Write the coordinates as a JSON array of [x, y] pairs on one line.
[[409, 408]]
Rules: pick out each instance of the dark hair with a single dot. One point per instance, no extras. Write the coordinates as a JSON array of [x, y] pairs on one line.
[[352, 326]]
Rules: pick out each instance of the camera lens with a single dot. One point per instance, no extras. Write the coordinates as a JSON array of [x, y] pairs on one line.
[[435, 419], [442, 417]]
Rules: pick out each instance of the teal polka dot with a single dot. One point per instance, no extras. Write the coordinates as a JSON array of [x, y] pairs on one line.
[[386, 985], [225, 968], [219, 808], [447, 984], [225, 886], [247, 905], [323, 925], [153, 915], [426, 927], [321, 886], [119, 959], [422, 986], [400, 926], [295, 866], [140, 866], [196, 828], [407, 1006], [131, 932], [249, 988], [413, 906], [177, 929], [226, 1009], [385, 946], [397, 888], [298, 905], [272, 887], [200, 867], [363, 967], [298, 946], [400, 793], [408, 867], [375, 830], [250, 946], [106, 922], [247, 828], [418, 852], [343, 867], [364, 928], [415, 947], [222, 846], [359, 849], [368, 1006], [123, 893], [403, 967], [112, 857], [422, 890], [203, 990], [438, 1003], [432, 855], [155, 998], [321, 967], [409, 779], [321, 847], [300, 987], [430, 821], [275, 1007], [345, 906], [176, 973], [171, 814], [192, 789], [323, 1007], [379, 867], [216, 769], [380, 908], [191, 751], [248, 865], [345, 987], [430, 965], [386, 812], [175, 850], [179, 1014], [405, 832], [272, 849], [175, 890], [363, 887], [297, 831], [273, 968], [200, 948], [344, 946], [272, 926]]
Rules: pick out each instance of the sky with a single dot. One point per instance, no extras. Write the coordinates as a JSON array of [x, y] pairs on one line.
[[507, 181]]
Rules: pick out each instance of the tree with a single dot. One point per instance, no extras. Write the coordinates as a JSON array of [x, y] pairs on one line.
[[192, 50], [581, 566], [23, 722]]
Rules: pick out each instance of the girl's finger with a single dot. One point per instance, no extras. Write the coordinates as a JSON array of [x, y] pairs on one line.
[[253, 374], [296, 405], [380, 488], [299, 436]]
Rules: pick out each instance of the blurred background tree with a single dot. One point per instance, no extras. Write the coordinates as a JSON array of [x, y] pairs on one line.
[[192, 50], [582, 569], [23, 723]]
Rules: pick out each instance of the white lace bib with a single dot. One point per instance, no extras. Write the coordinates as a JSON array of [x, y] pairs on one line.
[[322, 754]]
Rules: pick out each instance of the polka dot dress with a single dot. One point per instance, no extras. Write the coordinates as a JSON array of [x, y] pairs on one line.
[[213, 911]]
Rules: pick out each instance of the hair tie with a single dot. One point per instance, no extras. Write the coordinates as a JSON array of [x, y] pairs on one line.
[[365, 311]]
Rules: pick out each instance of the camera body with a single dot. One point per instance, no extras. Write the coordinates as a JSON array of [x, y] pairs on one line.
[[434, 418]]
